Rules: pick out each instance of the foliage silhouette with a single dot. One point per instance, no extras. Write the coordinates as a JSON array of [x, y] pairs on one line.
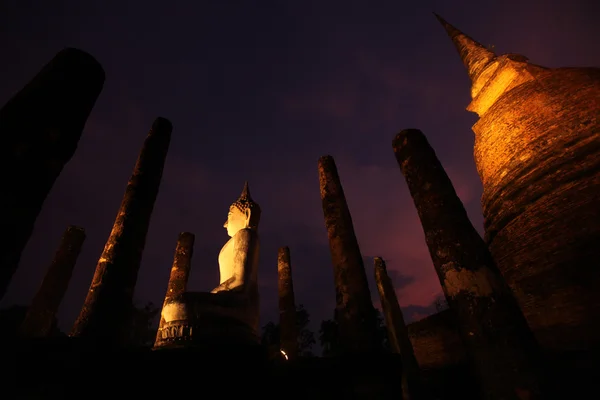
[[440, 303], [12, 317], [328, 335], [306, 338], [143, 326]]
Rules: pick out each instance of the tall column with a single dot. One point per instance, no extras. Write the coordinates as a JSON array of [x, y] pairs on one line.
[[180, 272], [495, 333], [40, 127], [412, 387], [106, 312], [42, 311], [354, 309], [287, 306]]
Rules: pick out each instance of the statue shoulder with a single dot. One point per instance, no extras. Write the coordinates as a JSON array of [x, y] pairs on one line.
[[246, 235]]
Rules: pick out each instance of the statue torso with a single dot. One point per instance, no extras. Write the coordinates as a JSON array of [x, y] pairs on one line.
[[228, 259]]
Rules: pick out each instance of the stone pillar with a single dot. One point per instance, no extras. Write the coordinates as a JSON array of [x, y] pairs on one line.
[[42, 311], [354, 310], [106, 312], [40, 127], [287, 306], [412, 387], [495, 333], [180, 272]]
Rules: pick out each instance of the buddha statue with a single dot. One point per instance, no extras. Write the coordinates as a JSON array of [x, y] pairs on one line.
[[230, 312], [239, 256]]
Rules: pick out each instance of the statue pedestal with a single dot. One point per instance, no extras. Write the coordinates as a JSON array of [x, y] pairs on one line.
[[207, 332], [207, 320]]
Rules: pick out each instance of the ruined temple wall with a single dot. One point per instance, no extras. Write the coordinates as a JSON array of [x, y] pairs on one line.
[[444, 367], [436, 342], [537, 150]]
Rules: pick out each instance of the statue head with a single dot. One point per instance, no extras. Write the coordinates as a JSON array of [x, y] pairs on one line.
[[243, 213]]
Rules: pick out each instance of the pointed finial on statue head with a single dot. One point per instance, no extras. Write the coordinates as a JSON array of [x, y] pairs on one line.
[[245, 192], [245, 202], [474, 55]]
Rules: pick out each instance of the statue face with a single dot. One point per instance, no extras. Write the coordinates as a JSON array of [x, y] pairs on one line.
[[236, 220]]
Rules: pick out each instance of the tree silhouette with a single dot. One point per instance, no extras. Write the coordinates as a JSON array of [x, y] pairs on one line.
[[328, 336], [382, 333], [440, 303], [306, 338], [142, 331], [11, 318]]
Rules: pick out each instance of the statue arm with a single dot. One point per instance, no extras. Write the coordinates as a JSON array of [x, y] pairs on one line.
[[227, 285]]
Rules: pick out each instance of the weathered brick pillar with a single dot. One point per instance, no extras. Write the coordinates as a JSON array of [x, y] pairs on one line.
[[412, 387], [287, 306], [354, 309], [106, 312], [42, 311], [40, 128], [180, 272], [501, 346]]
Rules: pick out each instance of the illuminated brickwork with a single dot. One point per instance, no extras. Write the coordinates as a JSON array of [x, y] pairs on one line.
[[537, 151]]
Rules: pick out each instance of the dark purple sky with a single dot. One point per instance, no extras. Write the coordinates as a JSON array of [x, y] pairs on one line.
[[259, 93]]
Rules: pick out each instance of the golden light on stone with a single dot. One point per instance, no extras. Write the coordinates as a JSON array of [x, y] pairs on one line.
[[537, 156], [284, 354]]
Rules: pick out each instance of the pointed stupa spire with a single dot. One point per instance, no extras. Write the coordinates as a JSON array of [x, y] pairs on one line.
[[474, 55]]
